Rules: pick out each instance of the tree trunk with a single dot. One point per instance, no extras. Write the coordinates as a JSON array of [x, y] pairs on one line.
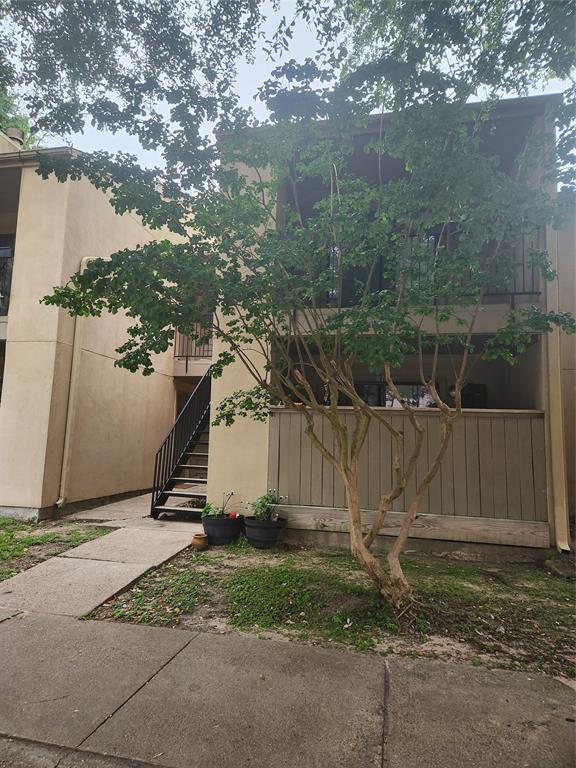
[[371, 564], [400, 586]]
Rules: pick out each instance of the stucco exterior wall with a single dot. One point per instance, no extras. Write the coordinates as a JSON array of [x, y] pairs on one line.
[[115, 419], [31, 342], [121, 417], [238, 456], [566, 243]]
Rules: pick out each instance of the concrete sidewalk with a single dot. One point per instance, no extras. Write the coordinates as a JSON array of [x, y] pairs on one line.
[[93, 694], [106, 695]]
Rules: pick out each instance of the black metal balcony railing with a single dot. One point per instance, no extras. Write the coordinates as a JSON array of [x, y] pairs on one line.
[[515, 275], [187, 348], [6, 263]]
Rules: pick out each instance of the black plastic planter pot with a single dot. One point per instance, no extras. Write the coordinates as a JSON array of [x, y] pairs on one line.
[[222, 530], [263, 534]]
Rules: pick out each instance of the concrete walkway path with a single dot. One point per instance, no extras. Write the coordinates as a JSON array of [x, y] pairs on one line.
[[96, 694], [80, 579]]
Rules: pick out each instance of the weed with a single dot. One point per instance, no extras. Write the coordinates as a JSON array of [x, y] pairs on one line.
[[159, 599]]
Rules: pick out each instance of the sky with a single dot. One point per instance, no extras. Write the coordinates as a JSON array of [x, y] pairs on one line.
[[250, 77]]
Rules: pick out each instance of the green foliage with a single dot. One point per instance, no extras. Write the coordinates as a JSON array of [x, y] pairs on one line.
[[337, 237], [363, 244], [12, 117], [254, 402], [211, 510], [400, 53], [263, 507], [393, 261], [159, 71]]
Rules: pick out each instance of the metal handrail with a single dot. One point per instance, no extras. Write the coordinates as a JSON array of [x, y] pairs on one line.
[[176, 442]]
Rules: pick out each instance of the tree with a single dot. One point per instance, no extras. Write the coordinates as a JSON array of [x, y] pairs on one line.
[[10, 116], [372, 268]]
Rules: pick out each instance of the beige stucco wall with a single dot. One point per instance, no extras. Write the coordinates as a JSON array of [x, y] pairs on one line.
[[238, 455], [238, 459], [567, 301], [119, 418]]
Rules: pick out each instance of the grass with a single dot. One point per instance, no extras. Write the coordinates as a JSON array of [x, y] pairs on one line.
[[508, 615], [160, 597], [26, 543], [308, 600]]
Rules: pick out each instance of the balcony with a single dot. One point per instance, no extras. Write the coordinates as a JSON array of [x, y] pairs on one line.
[[6, 263], [190, 357]]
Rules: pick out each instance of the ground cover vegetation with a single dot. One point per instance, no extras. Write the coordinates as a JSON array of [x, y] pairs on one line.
[[27, 543], [370, 269], [510, 615]]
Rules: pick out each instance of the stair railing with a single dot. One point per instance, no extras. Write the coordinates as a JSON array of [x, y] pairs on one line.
[[188, 423]]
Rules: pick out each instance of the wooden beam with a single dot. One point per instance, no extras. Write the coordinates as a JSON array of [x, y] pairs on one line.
[[524, 533]]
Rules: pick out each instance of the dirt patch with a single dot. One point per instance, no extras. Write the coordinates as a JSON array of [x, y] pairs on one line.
[[25, 544]]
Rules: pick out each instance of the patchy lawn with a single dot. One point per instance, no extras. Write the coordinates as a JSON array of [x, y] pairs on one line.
[[24, 544], [508, 615]]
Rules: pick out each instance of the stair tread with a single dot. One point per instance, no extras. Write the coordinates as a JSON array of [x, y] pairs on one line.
[[186, 494], [163, 508], [192, 480], [191, 466]]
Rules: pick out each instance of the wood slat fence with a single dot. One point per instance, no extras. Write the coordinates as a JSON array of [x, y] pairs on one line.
[[495, 465]]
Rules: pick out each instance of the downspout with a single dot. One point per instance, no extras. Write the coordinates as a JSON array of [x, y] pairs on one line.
[[555, 416], [73, 386]]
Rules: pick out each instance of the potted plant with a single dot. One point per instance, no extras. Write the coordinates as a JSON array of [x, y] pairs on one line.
[[220, 526], [263, 530]]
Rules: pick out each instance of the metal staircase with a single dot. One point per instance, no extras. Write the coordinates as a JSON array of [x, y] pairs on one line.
[[181, 467]]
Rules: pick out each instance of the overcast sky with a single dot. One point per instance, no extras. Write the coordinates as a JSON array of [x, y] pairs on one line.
[[250, 77]]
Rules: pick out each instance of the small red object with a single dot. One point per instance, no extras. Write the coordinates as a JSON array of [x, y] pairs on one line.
[[233, 514]]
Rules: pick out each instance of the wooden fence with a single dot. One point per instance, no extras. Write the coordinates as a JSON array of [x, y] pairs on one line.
[[495, 466]]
